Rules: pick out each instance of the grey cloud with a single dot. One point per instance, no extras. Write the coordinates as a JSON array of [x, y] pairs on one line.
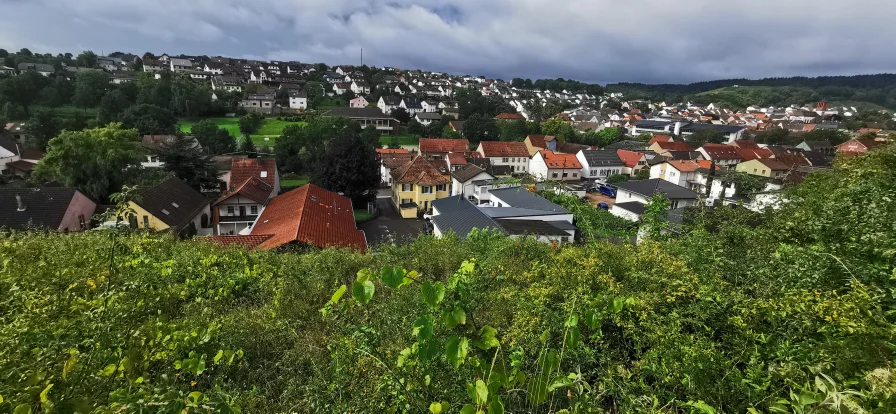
[[590, 40]]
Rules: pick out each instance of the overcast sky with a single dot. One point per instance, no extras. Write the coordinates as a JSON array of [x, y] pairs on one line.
[[601, 41]]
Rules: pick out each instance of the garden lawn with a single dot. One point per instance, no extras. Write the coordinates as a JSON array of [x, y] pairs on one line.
[[402, 140], [294, 182], [362, 215], [271, 128]]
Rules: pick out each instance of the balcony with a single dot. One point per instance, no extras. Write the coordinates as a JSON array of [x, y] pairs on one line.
[[237, 219]]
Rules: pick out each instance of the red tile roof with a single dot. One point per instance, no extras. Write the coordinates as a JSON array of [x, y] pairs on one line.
[[540, 141], [745, 144], [722, 152], [429, 145], [312, 215], [674, 146], [253, 188], [396, 160], [419, 171], [557, 160], [691, 165], [248, 240], [456, 158], [510, 116], [659, 138], [629, 158], [754, 154], [244, 168], [775, 165], [391, 151], [504, 149]]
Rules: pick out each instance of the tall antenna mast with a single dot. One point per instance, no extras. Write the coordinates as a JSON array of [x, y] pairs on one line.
[[362, 56]]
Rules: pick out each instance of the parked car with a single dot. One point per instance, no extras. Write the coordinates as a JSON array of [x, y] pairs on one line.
[[607, 191], [603, 206]]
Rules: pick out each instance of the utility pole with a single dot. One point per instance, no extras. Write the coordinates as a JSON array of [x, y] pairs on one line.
[[362, 56], [709, 179]]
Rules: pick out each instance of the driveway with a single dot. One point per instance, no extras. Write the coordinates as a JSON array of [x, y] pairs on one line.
[[597, 198], [389, 227]]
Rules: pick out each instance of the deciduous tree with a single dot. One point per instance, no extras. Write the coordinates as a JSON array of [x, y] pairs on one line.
[[24, 89], [149, 120]]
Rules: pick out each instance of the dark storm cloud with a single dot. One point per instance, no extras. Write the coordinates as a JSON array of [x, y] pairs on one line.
[[590, 40]]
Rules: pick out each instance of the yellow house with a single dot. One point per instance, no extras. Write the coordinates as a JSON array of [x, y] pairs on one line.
[[416, 184], [767, 167], [171, 205]]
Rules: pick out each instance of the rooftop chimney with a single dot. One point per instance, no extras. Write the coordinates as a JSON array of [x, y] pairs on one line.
[[20, 203]]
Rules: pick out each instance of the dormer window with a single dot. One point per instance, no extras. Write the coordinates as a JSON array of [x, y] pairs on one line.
[[264, 174]]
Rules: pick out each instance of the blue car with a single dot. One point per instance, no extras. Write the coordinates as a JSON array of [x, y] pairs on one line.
[[603, 206], [607, 191]]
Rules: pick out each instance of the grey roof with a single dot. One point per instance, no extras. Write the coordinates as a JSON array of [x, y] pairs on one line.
[[261, 96], [435, 116], [357, 113], [633, 206], [391, 100], [45, 207], [298, 94], [648, 188], [534, 227], [468, 172], [521, 198], [508, 212], [460, 216], [688, 126], [181, 202], [630, 145], [683, 155], [596, 158], [563, 225]]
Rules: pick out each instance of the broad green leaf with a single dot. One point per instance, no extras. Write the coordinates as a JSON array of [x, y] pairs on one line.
[[338, 294], [478, 393], [70, 364], [362, 291], [43, 394], [393, 276], [455, 317], [1, 399], [560, 381], [573, 337], [433, 293], [438, 407], [468, 409], [545, 336], [549, 362], [496, 406], [592, 319], [537, 389], [403, 356], [109, 370], [429, 349], [456, 350], [22, 409], [702, 407], [423, 327], [218, 356], [486, 338], [617, 305], [194, 398], [572, 320]]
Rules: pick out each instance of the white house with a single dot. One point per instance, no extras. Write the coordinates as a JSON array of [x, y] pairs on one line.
[[359, 87], [388, 103], [429, 106], [600, 164], [427, 118], [633, 196], [340, 88], [726, 156], [548, 165], [240, 206], [463, 181], [412, 105], [258, 76], [180, 65], [358, 102], [214, 68], [298, 100], [513, 154]]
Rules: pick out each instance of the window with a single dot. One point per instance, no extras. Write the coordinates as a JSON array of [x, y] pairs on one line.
[[565, 175], [406, 201], [574, 175], [253, 210], [442, 187], [146, 222], [504, 159], [426, 189], [754, 171], [230, 210], [593, 173], [407, 187], [763, 171], [553, 175], [264, 174]]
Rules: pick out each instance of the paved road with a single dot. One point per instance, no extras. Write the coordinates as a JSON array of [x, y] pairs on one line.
[[389, 226]]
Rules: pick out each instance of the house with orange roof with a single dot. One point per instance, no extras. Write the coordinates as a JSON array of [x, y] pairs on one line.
[[510, 117], [660, 138], [553, 166], [239, 207], [308, 215], [438, 148], [513, 154], [416, 184], [535, 143], [726, 156], [664, 147], [455, 161], [857, 146], [633, 161], [389, 162], [769, 168], [693, 175], [241, 169]]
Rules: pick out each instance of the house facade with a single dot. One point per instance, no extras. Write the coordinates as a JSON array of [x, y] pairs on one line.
[[298, 100], [535, 143], [238, 208], [53, 208], [260, 102], [551, 166], [600, 164], [172, 206], [416, 185], [512, 154]]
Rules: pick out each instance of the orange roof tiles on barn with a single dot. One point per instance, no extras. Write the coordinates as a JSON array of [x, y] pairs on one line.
[[557, 160], [429, 145], [691, 165], [392, 151], [722, 152], [504, 149], [310, 214], [540, 141], [244, 168], [248, 240], [755, 154]]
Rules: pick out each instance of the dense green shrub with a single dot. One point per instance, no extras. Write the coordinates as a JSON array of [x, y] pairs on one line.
[[786, 311]]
